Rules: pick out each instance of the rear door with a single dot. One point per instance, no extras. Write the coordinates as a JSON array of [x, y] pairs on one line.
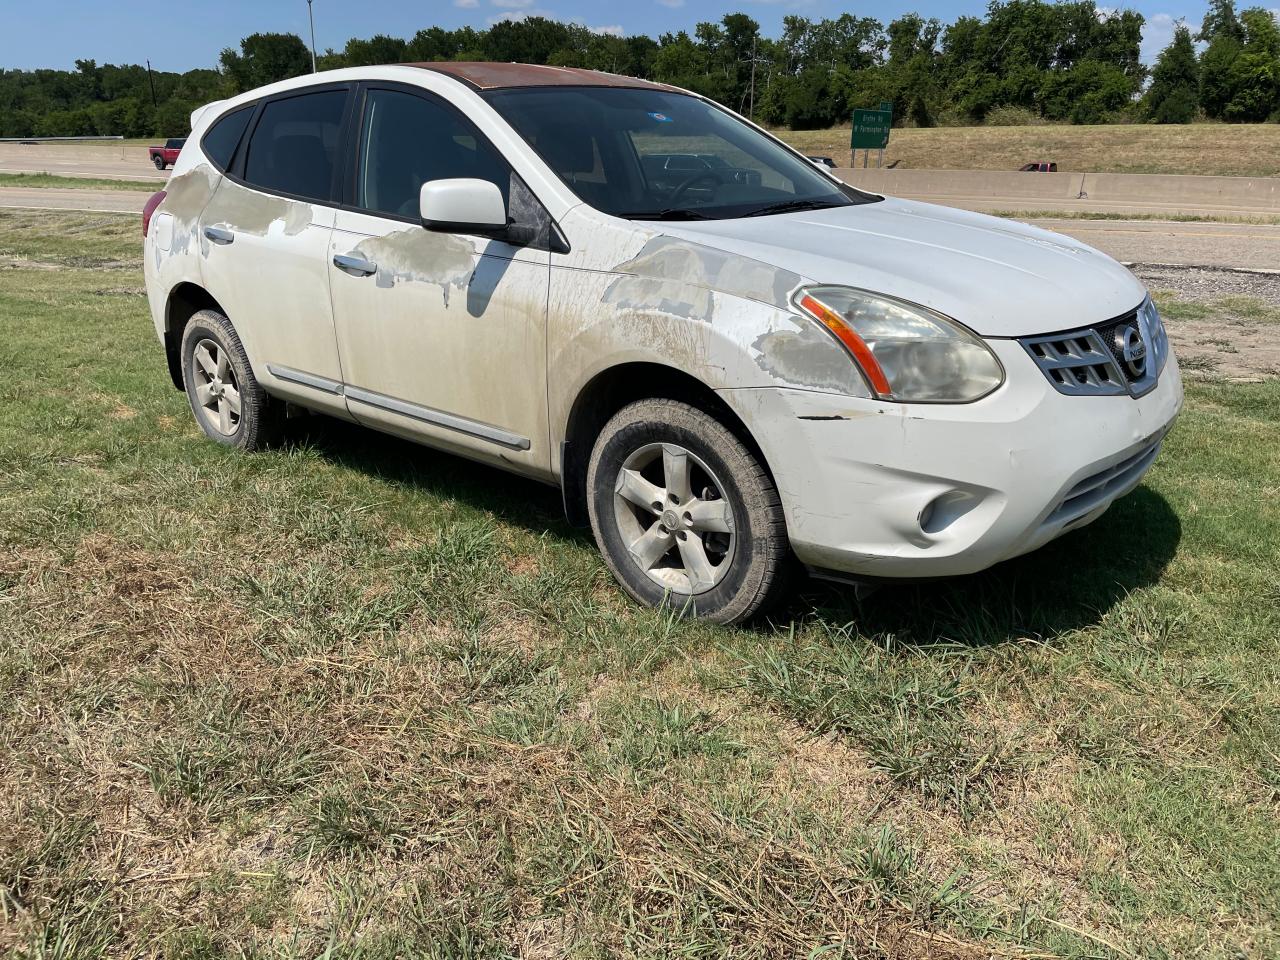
[[442, 335], [265, 239]]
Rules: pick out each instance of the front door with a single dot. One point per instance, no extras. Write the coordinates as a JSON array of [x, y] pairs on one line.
[[442, 336]]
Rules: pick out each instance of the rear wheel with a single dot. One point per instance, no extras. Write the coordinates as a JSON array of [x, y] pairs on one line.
[[684, 513], [159, 162], [229, 404]]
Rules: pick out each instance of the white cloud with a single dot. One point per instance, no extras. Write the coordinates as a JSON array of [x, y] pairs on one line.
[[1157, 33], [512, 4], [466, 4], [515, 15], [612, 30], [1105, 13]]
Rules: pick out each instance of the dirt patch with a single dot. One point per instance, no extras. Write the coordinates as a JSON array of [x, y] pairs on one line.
[[1223, 323]]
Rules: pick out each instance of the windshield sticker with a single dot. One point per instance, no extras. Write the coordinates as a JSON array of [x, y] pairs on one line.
[[660, 117]]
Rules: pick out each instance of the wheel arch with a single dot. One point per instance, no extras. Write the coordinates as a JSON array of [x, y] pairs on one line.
[[608, 392], [185, 300]]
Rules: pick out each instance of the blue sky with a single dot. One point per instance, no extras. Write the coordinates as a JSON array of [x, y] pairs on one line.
[[179, 34]]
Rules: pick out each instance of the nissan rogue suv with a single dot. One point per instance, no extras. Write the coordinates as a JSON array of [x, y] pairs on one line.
[[724, 357]]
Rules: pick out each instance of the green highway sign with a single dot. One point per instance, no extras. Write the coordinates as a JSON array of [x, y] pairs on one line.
[[871, 129]]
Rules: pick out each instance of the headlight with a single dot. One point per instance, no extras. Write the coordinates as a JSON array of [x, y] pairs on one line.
[[906, 352], [1153, 331]]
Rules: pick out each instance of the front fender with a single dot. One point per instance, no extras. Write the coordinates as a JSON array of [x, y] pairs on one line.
[[635, 295]]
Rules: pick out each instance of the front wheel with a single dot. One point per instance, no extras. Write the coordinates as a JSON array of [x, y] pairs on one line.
[[685, 514], [159, 162]]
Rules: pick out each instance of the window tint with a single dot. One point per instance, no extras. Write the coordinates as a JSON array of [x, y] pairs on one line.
[[221, 140], [407, 140], [294, 147], [653, 154]]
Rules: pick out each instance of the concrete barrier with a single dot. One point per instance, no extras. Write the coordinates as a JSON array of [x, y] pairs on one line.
[[75, 151], [120, 161], [1121, 192]]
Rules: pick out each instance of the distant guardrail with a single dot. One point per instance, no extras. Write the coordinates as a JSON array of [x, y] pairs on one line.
[[54, 139]]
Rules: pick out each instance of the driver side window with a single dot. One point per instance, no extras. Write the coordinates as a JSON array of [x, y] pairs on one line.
[[407, 140]]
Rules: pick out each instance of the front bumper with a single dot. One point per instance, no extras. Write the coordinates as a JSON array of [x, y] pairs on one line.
[[880, 489]]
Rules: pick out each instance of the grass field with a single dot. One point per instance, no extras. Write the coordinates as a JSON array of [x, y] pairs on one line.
[[352, 698], [1235, 150], [77, 183]]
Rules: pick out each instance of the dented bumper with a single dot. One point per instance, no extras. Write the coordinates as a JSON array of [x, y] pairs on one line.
[[913, 490]]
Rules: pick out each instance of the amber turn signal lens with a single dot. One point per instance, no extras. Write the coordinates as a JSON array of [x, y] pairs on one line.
[[856, 346]]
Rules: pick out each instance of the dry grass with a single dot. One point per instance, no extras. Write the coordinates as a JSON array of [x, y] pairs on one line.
[[352, 698], [1235, 150]]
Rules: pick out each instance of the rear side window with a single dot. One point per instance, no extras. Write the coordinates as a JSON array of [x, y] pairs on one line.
[[407, 140], [223, 137], [294, 147]]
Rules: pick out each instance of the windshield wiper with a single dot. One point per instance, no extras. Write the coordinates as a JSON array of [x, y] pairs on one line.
[[671, 214], [792, 206]]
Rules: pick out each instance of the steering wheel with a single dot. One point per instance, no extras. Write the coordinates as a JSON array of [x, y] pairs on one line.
[[679, 191]]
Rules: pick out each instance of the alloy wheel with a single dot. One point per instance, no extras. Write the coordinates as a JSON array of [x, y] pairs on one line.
[[671, 513], [216, 389]]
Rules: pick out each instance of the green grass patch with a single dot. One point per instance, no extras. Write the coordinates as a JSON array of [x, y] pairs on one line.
[[352, 697], [77, 183]]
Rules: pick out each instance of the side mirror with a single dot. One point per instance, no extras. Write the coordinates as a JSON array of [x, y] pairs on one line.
[[464, 205]]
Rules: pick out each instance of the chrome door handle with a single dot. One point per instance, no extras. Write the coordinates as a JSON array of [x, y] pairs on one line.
[[354, 264], [219, 235]]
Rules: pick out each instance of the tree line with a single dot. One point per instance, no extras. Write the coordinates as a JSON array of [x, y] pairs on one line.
[[1024, 61]]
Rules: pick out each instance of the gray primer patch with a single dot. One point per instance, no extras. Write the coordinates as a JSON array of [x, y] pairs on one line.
[[417, 255], [673, 297], [186, 196], [677, 277], [805, 356], [247, 211], [682, 261]]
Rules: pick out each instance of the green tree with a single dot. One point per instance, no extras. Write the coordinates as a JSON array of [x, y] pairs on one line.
[[1254, 75], [376, 50], [265, 58], [1175, 81]]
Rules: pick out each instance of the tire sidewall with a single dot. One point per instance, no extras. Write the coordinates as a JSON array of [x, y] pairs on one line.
[[749, 561], [208, 326]]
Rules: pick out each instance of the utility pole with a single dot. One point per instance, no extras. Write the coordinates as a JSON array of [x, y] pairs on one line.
[[151, 80], [312, 18], [751, 95]]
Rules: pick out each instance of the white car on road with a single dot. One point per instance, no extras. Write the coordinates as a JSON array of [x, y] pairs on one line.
[[724, 357]]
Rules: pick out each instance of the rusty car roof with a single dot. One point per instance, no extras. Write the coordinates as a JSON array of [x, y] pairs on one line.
[[492, 76]]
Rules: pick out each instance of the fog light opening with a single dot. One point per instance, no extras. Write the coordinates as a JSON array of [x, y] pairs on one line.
[[942, 511]]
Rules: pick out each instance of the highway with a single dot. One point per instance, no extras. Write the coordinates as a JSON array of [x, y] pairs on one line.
[[94, 162]]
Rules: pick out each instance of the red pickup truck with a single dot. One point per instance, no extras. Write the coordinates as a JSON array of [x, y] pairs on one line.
[[168, 154]]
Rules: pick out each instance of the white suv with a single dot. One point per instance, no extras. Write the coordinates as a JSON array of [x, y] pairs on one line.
[[724, 356]]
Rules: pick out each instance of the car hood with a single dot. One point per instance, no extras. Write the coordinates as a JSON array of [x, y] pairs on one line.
[[998, 277]]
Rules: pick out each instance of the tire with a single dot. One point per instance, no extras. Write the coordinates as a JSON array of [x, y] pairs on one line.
[[159, 162], [635, 462], [210, 351]]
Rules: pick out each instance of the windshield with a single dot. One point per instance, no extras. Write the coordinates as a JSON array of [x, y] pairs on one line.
[[654, 155]]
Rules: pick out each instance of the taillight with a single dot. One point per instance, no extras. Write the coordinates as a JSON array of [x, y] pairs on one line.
[[149, 209]]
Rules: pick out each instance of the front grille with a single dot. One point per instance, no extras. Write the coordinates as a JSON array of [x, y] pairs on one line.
[[1089, 362], [1104, 485]]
